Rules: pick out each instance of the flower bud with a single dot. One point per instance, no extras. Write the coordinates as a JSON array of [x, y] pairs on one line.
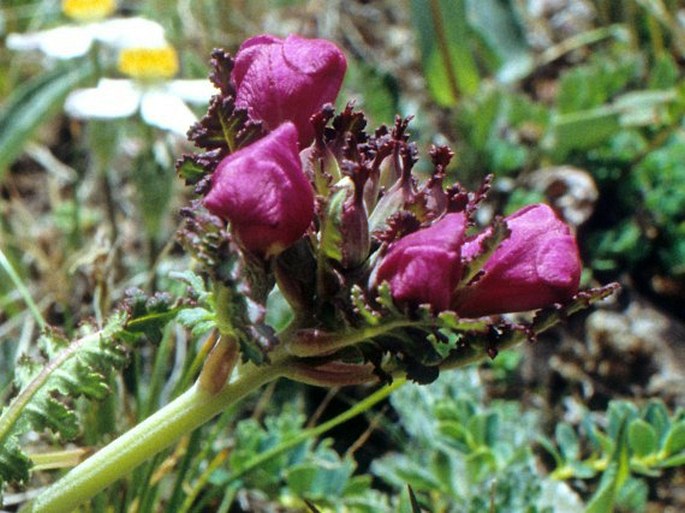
[[287, 79], [425, 266], [536, 266], [263, 192]]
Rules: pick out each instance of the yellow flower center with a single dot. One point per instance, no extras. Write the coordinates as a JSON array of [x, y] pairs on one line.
[[88, 10], [148, 63]]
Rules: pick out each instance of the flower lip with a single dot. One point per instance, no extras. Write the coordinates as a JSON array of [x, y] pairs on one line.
[[425, 266], [263, 192], [288, 79], [538, 265]]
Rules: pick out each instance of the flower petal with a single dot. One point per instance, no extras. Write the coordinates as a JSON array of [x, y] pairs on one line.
[[291, 79], [111, 99], [262, 190], [538, 265], [197, 92], [65, 42], [130, 32], [425, 266], [166, 111]]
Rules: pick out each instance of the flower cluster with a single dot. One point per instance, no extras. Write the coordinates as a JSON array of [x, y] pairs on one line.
[[372, 260]]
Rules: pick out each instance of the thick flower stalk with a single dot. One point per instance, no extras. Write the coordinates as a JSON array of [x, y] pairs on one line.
[[287, 79]]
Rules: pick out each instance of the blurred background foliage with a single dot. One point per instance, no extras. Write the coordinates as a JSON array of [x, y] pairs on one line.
[[577, 103]]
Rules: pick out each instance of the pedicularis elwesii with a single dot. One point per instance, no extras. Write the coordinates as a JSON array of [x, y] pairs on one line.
[[388, 276]]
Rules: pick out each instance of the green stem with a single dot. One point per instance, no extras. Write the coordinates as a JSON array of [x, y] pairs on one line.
[[154, 434], [325, 343]]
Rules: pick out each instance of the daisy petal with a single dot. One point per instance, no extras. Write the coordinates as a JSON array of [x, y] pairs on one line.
[[197, 92], [167, 111], [65, 42], [130, 32], [111, 99]]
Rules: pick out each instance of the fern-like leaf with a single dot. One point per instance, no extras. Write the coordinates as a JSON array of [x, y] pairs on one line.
[[79, 368]]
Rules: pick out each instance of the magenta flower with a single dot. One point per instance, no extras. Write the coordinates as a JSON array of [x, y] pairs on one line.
[[536, 266], [287, 79], [425, 266], [263, 192]]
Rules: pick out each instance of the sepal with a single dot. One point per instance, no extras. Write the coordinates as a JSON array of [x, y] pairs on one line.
[[241, 281]]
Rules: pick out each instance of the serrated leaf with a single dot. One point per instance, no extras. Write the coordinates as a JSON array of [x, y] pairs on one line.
[[194, 281], [191, 170], [451, 321], [14, 464], [191, 317], [496, 235], [56, 416], [77, 370], [363, 309]]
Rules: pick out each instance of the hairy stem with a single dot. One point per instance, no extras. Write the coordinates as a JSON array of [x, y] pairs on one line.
[[154, 434]]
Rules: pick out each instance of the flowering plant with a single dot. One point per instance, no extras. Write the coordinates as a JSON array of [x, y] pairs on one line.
[[387, 277]]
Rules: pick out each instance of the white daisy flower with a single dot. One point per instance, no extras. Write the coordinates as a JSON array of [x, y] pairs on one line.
[[75, 39], [160, 100]]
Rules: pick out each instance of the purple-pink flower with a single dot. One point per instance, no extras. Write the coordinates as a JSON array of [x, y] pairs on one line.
[[263, 192], [425, 266], [537, 265], [287, 79]]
